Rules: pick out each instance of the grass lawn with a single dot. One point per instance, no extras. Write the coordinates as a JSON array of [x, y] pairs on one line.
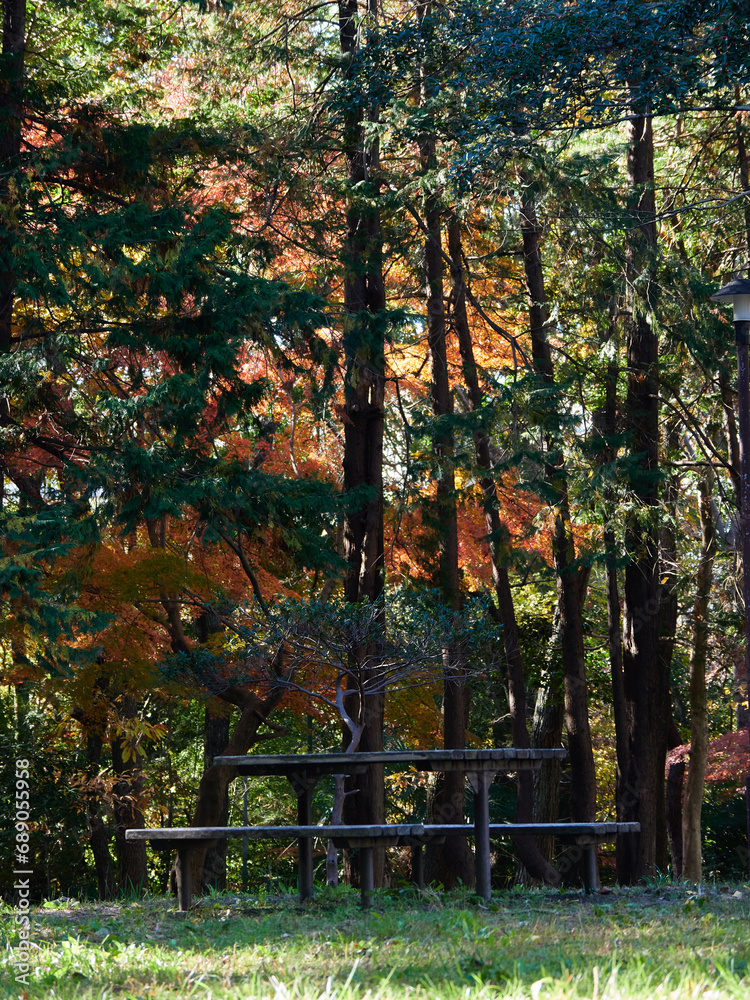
[[661, 941]]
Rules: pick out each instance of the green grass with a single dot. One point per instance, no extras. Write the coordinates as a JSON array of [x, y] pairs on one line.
[[659, 941]]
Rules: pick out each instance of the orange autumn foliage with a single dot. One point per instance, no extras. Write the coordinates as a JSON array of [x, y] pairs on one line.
[[726, 759]]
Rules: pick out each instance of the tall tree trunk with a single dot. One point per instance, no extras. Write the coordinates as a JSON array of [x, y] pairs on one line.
[[569, 591], [127, 804], [673, 796], [691, 811], [729, 400], [215, 738], [743, 162], [216, 725], [12, 79], [451, 862], [640, 791], [99, 836], [364, 390], [527, 850], [93, 721], [606, 427], [549, 719], [11, 118], [668, 607]]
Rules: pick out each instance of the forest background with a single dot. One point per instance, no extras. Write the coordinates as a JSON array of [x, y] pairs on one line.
[[359, 375]]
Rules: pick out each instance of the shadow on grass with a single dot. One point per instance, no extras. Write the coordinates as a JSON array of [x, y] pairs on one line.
[[658, 940]]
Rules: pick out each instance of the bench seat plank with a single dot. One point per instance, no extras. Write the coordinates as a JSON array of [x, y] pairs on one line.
[[199, 833], [535, 829]]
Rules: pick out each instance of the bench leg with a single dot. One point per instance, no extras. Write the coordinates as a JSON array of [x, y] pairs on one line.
[[184, 877], [590, 867], [367, 876], [303, 786], [305, 868], [417, 865]]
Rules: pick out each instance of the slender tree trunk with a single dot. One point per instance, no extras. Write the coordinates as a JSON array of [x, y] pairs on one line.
[[216, 726], [12, 80], [127, 804], [673, 795], [451, 862], [549, 719], [606, 425], [93, 723], [99, 836], [691, 812], [11, 118], [569, 590], [364, 389], [527, 850], [743, 162], [729, 403], [355, 728], [668, 607], [645, 682]]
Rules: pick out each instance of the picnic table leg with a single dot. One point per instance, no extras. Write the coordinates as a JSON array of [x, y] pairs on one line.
[[590, 868], [480, 783], [417, 865], [184, 876], [304, 785], [366, 876]]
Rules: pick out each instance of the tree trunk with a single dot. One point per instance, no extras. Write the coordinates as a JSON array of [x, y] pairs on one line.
[[212, 790], [675, 781], [215, 738], [93, 723], [640, 789], [728, 403], [526, 848], [691, 811], [99, 835], [668, 607], [606, 426], [570, 593], [216, 726], [743, 162], [549, 718], [127, 804], [11, 118], [451, 862], [364, 389]]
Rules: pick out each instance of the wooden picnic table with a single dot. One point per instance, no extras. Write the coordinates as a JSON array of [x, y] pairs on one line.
[[480, 767]]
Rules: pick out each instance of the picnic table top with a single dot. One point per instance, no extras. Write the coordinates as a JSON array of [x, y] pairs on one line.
[[496, 758]]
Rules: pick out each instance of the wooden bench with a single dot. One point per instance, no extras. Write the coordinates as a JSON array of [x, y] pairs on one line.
[[479, 766], [185, 840], [303, 772], [584, 835]]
